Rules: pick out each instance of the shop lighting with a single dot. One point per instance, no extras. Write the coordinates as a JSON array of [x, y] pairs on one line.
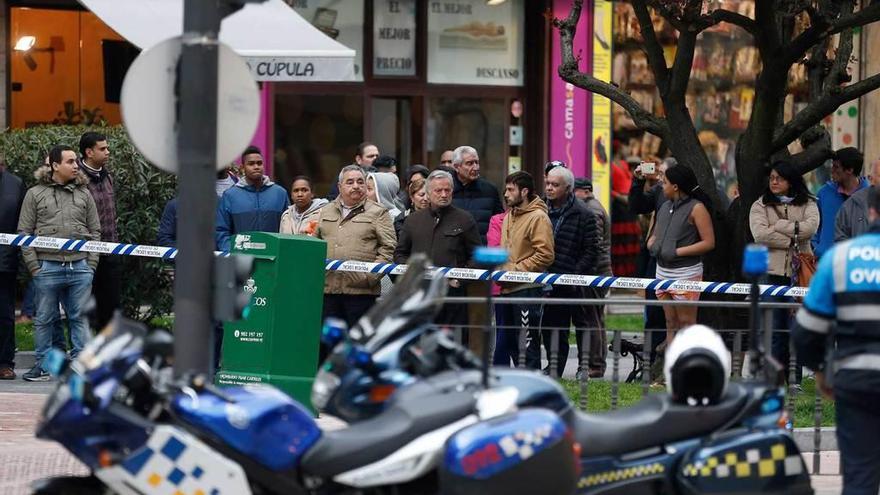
[[495, 2], [25, 43]]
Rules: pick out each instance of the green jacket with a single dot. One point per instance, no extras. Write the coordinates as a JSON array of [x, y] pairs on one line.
[[54, 210]]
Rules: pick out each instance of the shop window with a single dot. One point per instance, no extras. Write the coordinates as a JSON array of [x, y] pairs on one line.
[[66, 67], [480, 123], [316, 135]]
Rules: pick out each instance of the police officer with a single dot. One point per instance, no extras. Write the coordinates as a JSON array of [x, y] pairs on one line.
[[841, 313]]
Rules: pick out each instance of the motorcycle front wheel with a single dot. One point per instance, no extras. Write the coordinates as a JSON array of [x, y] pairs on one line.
[[70, 485]]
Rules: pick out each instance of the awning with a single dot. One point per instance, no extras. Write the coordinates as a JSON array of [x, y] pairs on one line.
[[275, 41]]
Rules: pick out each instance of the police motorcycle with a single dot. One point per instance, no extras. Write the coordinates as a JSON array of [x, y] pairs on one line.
[[705, 435], [117, 408]]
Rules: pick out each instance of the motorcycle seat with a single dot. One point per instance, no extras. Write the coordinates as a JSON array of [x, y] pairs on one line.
[[368, 441], [656, 420]]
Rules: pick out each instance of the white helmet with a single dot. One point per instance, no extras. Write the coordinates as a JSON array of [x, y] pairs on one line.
[[697, 366]]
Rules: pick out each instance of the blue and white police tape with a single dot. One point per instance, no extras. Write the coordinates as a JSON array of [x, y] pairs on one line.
[[456, 273]]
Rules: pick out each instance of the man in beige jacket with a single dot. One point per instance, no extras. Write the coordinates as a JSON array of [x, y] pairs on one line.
[[527, 234], [356, 229]]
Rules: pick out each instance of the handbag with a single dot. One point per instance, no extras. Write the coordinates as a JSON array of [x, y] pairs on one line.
[[803, 265]]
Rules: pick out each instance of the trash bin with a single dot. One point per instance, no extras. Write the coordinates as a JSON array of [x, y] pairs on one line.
[[277, 343]]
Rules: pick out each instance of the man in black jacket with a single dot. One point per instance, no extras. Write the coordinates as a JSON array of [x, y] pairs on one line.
[[473, 193], [448, 235], [12, 191], [576, 247]]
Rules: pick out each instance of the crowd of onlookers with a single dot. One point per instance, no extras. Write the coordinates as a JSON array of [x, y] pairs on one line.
[[660, 226]]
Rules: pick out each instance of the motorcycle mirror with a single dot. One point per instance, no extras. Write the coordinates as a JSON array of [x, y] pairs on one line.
[[755, 260], [490, 256], [334, 331], [159, 343]]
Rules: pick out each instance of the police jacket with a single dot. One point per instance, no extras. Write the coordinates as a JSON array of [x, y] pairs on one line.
[[841, 313]]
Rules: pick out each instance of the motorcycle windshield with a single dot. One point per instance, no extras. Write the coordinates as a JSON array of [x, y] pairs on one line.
[[416, 298]]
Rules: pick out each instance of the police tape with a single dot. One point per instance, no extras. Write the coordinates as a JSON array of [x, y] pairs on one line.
[[596, 281]]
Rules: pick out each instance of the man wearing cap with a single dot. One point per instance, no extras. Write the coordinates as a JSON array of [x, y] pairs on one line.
[[852, 219], [846, 166], [583, 190]]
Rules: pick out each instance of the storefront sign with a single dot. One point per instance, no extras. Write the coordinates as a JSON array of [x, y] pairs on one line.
[[569, 105], [394, 38], [601, 122], [471, 42], [342, 20]]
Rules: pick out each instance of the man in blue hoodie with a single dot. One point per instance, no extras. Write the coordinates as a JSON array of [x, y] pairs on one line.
[[255, 204], [846, 167]]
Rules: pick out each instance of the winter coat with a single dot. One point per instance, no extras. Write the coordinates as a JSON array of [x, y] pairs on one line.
[[12, 191], [244, 208], [448, 236], [493, 239], [366, 234], [167, 235], [773, 226], [53, 210], [852, 219], [528, 237], [575, 238], [603, 226], [293, 222], [829, 199], [101, 187], [479, 198]]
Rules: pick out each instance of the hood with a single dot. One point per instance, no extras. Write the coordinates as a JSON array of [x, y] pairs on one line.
[[243, 183], [535, 205], [43, 174], [387, 186], [317, 204]]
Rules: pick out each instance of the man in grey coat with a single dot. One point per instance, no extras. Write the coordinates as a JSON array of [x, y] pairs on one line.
[[852, 219]]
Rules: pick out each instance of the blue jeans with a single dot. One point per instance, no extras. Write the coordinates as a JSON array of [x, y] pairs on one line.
[[69, 284], [29, 309]]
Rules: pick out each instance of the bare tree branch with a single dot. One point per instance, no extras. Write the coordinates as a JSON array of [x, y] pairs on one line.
[[652, 46], [817, 148], [819, 109], [823, 26], [722, 15], [570, 72], [681, 67]]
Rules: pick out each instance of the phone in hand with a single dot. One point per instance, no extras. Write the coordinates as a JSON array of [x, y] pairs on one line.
[[648, 168]]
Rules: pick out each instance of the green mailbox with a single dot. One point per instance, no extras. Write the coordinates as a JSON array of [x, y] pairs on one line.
[[277, 343]]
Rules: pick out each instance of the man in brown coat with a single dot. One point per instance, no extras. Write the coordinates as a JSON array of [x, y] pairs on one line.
[[356, 229], [527, 234]]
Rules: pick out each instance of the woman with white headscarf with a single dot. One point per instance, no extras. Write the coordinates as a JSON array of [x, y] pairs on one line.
[[382, 187]]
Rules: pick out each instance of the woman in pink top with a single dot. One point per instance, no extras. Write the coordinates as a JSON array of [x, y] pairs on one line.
[[501, 354]]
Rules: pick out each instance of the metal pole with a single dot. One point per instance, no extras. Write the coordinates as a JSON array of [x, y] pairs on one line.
[[196, 144]]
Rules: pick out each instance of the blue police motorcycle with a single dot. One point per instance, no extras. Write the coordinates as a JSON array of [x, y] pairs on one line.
[[738, 444], [139, 430]]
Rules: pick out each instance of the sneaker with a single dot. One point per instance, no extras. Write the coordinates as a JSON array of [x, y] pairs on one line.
[[7, 373], [36, 374]]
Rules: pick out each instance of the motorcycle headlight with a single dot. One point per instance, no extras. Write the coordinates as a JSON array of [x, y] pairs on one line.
[[326, 383]]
